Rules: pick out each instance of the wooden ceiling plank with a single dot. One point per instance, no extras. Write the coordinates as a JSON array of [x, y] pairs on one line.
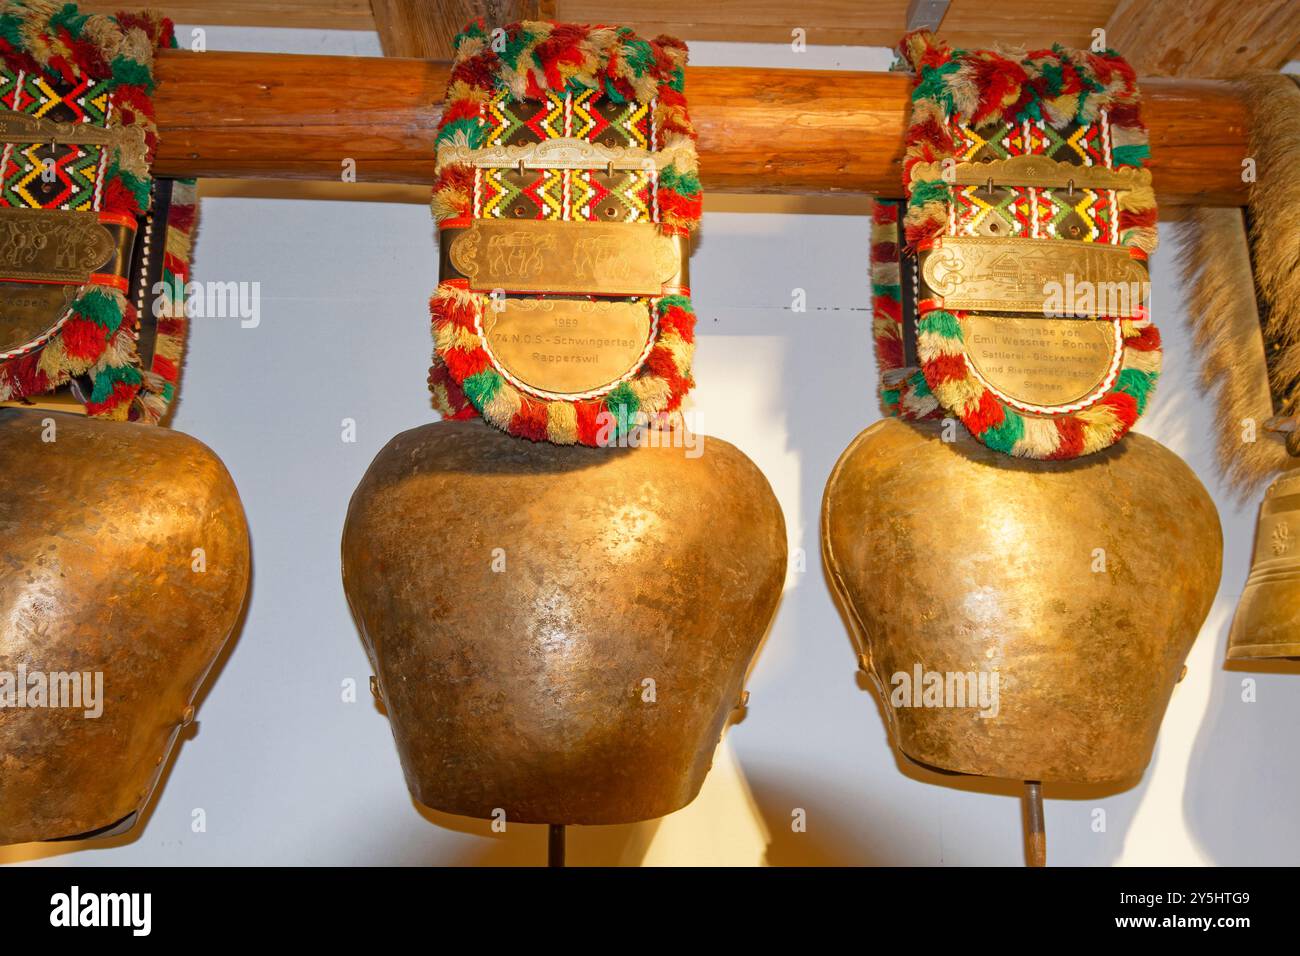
[[1206, 38], [1202, 37], [969, 23], [304, 14], [426, 28], [409, 26]]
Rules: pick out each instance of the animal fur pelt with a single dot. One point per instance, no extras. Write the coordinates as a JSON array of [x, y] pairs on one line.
[[1248, 329]]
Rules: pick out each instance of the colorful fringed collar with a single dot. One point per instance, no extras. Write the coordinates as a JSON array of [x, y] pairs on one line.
[[605, 92], [88, 71], [1051, 107]]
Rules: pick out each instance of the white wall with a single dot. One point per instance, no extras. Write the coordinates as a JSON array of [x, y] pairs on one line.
[[287, 773]]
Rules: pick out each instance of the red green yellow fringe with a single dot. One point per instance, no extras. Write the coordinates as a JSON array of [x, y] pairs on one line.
[[903, 390], [464, 382], [529, 59], [97, 339], [159, 384], [1057, 86]]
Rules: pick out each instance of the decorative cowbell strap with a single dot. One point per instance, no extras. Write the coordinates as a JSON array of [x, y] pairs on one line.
[[87, 238], [566, 192], [1010, 288]]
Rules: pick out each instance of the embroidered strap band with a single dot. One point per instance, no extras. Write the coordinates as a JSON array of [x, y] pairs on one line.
[[1010, 287], [86, 236], [565, 198]]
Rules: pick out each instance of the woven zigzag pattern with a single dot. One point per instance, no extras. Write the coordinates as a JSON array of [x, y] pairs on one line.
[[114, 55], [607, 85], [1043, 93]]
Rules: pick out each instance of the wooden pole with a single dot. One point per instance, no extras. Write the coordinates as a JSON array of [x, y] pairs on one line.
[[281, 116]]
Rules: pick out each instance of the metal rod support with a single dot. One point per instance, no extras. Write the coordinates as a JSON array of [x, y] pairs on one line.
[[1035, 831], [555, 845]]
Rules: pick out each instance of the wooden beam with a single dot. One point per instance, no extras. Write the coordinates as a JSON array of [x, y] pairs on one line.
[[1206, 38], [250, 115]]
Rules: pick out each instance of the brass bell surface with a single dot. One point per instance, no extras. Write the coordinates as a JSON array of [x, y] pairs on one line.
[[1267, 621], [559, 633], [99, 574], [1080, 585]]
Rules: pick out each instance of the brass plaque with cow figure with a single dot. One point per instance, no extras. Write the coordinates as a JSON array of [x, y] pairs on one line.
[[46, 255], [587, 258]]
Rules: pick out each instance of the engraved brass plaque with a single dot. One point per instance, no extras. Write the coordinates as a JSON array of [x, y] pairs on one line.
[[52, 245], [563, 153], [1055, 277], [1040, 362], [25, 128], [566, 347], [1034, 171], [45, 257], [589, 258], [29, 309]]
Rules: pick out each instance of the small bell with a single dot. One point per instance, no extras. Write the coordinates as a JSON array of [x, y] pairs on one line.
[[1267, 622]]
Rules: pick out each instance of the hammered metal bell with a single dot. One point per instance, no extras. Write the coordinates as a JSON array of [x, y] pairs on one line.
[[559, 633], [124, 565], [1267, 621], [1059, 598]]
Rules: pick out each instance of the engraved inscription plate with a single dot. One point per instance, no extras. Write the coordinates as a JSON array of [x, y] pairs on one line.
[[563, 153], [45, 257], [565, 348], [1036, 171], [1037, 276], [595, 258], [28, 310], [1040, 362], [24, 128], [52, 245]]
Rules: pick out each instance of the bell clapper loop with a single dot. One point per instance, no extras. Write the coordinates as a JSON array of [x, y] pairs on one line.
[[555, 844], [1035, 831]]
